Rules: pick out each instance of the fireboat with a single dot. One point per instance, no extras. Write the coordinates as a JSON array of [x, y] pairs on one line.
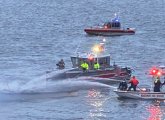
[[112, 28], [106, 73]]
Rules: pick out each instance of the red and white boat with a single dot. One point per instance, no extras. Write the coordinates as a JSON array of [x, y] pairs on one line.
[[112, 28]]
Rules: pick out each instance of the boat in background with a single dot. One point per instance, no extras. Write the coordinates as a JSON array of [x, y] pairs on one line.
[[112, 28], [107, 72]]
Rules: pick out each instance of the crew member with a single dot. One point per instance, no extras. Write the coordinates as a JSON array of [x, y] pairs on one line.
[[123, 85], [96, 66], [84, 66], [157, 84], [134, 82], [61, 64]]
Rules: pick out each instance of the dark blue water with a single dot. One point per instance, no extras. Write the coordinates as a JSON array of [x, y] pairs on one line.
[[35, 34]]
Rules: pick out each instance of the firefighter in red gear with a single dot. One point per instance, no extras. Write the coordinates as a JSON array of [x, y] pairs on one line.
[[134, 82]]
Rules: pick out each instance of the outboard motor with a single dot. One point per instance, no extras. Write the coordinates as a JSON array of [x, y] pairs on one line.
[[129, 70]]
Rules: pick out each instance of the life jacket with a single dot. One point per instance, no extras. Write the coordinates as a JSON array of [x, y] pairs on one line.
[[96, 66], [134, 81], [84, 65]]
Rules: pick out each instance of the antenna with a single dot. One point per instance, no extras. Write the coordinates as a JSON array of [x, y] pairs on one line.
[[78, 48]]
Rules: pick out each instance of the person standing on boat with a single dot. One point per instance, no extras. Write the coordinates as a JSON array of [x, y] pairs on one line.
[[84, 66], [96, 66], [158, 84], [134, 82], [123, 85], [61, 64]]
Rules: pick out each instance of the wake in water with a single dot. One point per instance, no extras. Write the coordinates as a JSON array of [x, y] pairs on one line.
[[42, 85], [19, 86], [54, 73]]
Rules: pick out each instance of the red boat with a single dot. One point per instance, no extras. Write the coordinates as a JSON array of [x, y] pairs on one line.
[[110, 29]]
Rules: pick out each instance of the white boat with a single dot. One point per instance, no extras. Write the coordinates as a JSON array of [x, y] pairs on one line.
[[144, 93], [139, 94]]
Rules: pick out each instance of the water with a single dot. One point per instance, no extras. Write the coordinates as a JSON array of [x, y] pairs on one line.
[[36, 34]]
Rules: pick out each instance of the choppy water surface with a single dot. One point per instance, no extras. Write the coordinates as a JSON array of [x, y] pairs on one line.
[[35, 34]]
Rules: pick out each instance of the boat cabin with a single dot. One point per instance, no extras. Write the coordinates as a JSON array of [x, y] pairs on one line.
[[113, 25], [104, 61]]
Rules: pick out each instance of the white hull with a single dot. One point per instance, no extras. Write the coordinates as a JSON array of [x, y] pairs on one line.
[[141, 95]]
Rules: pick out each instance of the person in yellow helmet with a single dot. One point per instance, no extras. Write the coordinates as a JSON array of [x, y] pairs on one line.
[[96, 66], [84, 66]]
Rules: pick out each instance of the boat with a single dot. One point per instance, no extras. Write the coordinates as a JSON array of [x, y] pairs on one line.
[[105, 73], [114, 72], [145, 93], [112, 28], [140, 94]]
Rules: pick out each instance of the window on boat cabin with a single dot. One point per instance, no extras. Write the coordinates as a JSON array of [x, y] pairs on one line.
[[108, 24], [104, 61], [75, 61], [116, 24]]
